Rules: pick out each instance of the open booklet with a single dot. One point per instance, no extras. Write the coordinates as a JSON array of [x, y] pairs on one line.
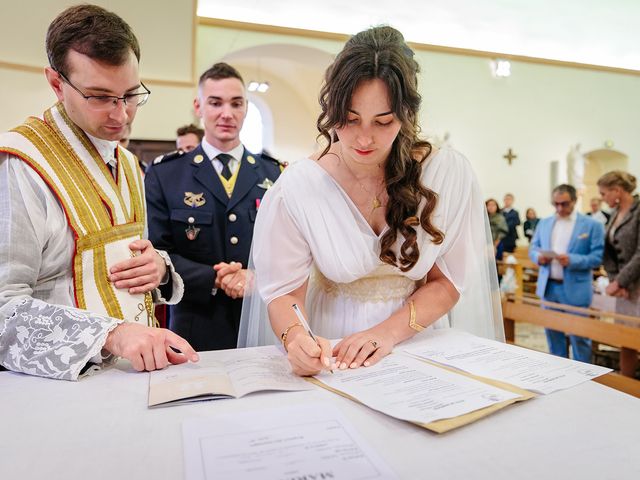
[[224, 374]]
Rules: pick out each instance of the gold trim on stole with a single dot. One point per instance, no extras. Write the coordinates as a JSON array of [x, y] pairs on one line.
[[92, 222]]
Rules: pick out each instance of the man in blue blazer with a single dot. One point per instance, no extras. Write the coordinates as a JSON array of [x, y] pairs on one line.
[[202, 206], [567, 246]]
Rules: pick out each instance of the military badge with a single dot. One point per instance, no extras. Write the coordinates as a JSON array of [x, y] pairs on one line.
[[266, 184], [192, 232], [198, 159], [251, 160], [194, 200]]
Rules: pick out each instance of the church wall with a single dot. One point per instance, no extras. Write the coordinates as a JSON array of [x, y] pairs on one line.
[[539, 112]]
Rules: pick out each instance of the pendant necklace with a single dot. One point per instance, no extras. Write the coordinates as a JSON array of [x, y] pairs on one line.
[[375, 200]]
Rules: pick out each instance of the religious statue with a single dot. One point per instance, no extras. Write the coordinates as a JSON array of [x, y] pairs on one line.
[[575, 168]]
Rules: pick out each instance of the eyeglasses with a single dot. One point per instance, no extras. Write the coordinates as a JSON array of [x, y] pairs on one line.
[[109, 102], [562, 204]]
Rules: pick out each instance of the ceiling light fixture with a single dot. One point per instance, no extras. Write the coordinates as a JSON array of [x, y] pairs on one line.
[[260, 87], [501, 68]]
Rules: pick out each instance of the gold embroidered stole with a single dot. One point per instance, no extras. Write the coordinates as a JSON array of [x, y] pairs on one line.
[[104, 215]]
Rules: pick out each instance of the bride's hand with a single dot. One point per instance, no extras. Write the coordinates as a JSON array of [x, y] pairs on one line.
[[363, 348], [305, 356]]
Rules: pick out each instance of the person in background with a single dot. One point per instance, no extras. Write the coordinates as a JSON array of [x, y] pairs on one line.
[[498, 224], [596, 211], [530, 223], [513, 220], [567, 246], [77, 278], [202, 208], [622, 250], [188, 137]]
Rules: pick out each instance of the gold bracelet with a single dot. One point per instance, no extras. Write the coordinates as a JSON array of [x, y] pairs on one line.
[[283, 335], [412, 318]]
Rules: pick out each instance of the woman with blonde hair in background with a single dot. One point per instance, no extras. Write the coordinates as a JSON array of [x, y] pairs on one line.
[[622, 250]]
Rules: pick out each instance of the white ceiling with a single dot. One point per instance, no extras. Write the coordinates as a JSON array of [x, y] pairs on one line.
[[597, 32]]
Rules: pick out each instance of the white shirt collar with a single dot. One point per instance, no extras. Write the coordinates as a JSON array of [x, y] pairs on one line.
[[106, 148], [212, 152], [570, 218]]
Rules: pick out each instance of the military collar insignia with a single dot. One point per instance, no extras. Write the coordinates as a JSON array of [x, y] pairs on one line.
[[194, 200], [266, 184], [198, 159], [251, 159]]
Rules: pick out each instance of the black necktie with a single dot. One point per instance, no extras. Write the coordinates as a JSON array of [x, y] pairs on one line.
[[113, 167], [226, 171]]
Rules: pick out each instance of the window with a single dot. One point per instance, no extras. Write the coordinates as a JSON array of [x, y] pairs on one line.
[[252, 133]]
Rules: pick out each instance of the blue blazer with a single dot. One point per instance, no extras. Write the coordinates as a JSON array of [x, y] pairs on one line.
[[192, 218], [585, 253]]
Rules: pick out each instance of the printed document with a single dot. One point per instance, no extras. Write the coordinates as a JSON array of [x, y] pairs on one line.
[[524, 368], [410, 389], [309, 441]]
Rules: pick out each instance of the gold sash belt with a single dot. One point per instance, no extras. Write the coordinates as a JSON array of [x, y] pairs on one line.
[[374, 288]]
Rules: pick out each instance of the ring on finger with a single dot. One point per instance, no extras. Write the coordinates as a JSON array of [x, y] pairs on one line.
[[374, 343]]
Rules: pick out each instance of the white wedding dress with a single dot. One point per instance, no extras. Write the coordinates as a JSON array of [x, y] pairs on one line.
[[308, 227]]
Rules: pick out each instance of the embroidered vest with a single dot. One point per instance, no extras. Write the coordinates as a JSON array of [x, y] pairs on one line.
[[105, 215]]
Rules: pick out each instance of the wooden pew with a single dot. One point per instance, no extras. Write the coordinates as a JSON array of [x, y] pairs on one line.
[[627, 338]]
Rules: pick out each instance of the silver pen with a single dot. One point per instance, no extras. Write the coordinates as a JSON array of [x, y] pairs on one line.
[[305, 325]]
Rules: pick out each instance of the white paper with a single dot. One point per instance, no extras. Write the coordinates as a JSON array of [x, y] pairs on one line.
[[309, 441], [528, 369], [548, 253], [410, 389], [224, 373]]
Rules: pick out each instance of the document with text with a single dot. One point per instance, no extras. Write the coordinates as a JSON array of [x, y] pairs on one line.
[[410, 389], [310, 441], [224, 374], [528, 369]]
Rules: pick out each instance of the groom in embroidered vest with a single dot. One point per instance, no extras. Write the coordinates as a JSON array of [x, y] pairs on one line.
[[77, 276], [202, 207]]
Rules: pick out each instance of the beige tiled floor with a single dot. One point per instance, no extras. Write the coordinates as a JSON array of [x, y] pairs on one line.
[[531, 336]]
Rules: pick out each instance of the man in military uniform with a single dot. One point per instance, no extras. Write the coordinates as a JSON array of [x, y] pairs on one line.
[[202, 206]]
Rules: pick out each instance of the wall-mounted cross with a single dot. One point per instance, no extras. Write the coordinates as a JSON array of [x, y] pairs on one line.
[[510, 156]]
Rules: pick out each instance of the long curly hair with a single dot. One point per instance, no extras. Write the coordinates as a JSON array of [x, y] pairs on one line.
[[381, 53]]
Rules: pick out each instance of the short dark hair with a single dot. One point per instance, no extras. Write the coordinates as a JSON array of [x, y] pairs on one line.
[[566, 188], [91, 31], [191, 128], [220, 71]]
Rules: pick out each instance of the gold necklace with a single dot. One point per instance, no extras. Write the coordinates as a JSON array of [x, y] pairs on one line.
[[375, 200]]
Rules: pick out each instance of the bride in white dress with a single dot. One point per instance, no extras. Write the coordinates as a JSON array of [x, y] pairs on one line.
[[376, 237]]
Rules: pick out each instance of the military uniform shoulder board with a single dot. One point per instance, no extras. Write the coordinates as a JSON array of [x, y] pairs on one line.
[[168, 156], [279, 163]]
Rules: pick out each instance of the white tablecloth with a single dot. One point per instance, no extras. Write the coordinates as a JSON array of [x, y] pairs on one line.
[[101, 428]]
